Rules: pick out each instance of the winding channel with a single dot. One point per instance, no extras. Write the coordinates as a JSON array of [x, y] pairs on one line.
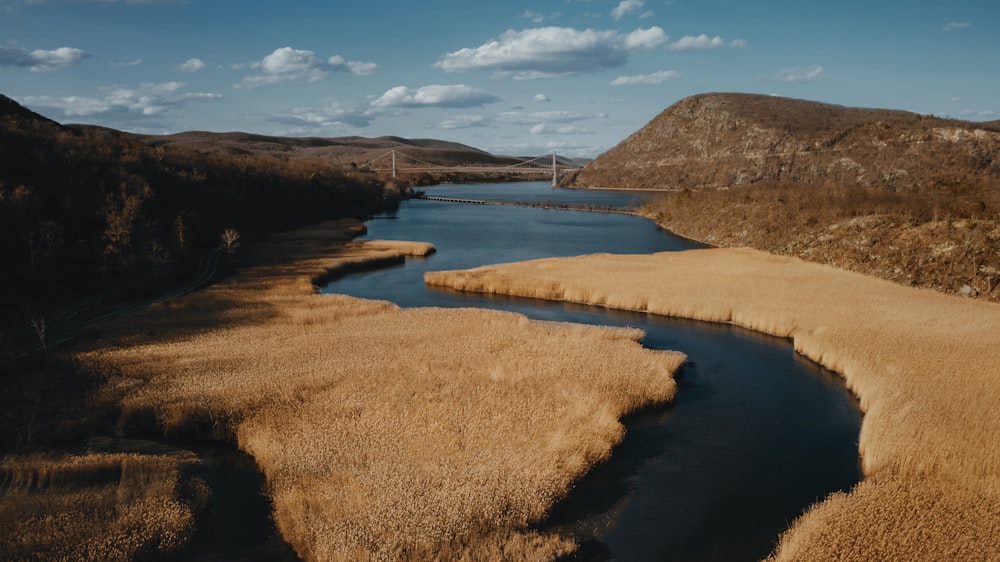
[[755, 435]]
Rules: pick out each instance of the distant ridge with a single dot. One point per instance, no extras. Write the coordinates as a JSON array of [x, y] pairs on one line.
[[341, 150], [730, 140], [335, 150]]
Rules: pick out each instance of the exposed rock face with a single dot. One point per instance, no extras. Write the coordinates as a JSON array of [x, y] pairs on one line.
[[728, 140]]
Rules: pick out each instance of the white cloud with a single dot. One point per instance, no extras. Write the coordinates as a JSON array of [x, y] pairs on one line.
[[703, 42], [800, 74], [542, 129], [646, 38], [124, 64], [190, 65], [465, 121], [313, 120], [547, 117], [41, 60], [541, 98], [654, 78], [626, 7], [547, 52], [435, 95], [147, 99], [953, 25], [286, 63]]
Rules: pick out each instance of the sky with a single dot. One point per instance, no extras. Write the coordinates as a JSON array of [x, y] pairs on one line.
[[516, 77]]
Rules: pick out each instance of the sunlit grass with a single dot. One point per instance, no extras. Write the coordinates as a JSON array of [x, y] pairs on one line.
[[386, 433], [925, 366], [99, 506]]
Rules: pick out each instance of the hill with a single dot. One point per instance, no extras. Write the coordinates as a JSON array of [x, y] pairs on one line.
[[905, 197], [110, 211], [337, 150], [730, 140]]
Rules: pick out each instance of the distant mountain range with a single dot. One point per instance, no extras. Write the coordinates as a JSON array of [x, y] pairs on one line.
[[335, 150], [731, 140]]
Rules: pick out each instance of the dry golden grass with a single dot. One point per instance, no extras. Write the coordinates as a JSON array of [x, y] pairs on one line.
[[99, 506], [925, 366], [386, 433]]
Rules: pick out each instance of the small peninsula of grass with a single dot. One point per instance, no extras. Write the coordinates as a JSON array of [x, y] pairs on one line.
[[383, 433], [924, 365]]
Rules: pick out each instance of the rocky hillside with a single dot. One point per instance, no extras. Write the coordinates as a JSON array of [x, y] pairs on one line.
[[904, 197], [729, 140]]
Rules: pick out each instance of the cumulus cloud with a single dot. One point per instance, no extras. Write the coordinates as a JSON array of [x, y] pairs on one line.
[[953, 25], [122, 104], [41, 60], [547, 52], [547, 117], [800, 74], [190, 65], [654, 78], [287, 63], [541, 98], [703, 42], [542, 129], [626, 7], [312, 120], [646, 38], [465, 121], [434, 95]]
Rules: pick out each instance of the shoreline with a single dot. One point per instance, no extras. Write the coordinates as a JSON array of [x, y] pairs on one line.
[[379, 429], [902, 458]]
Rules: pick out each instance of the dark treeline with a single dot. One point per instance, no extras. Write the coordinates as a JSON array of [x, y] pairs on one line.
[[86, 209]]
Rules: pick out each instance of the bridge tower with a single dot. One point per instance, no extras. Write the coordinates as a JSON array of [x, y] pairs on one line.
[[394, 163], [555, 171]]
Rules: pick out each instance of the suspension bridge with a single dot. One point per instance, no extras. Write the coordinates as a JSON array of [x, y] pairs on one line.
[[397, 162]]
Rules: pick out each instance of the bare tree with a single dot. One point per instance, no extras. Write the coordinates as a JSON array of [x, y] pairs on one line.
[[230, 240]]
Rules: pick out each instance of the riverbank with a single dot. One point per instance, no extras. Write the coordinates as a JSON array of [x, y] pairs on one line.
[[924, 366], [382, 432]]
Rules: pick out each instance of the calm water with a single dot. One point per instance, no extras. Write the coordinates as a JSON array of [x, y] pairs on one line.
[[755, 435]]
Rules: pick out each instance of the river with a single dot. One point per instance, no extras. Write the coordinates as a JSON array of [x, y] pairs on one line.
[[755, 435]]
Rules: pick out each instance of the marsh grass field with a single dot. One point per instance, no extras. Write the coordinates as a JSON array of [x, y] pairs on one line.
[[924, 366], [383, 433]]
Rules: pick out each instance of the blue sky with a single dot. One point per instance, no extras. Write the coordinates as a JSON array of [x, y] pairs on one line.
[[513, 77]]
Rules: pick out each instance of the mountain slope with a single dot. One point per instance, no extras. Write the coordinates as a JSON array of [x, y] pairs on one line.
[[908, 198], [728, 140]]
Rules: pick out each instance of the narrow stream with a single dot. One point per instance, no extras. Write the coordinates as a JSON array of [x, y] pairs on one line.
[[755, 435]]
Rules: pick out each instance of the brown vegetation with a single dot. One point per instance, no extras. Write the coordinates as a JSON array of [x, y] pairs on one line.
[[946, 240], [383, 433], [924, 366], [97, 506], [110, 211], [909, 198], [730, 140]]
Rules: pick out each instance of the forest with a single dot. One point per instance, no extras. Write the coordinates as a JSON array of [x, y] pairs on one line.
[[87, 210]]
